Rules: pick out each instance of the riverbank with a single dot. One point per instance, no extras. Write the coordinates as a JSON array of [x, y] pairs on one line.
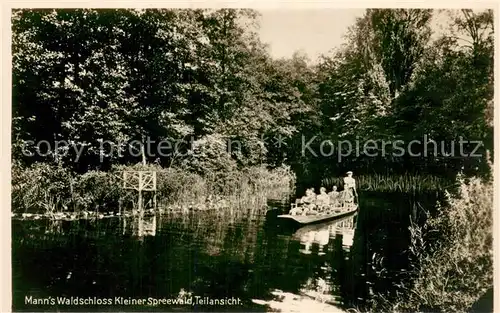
[[452, 255], [88, 215], [45, 190]]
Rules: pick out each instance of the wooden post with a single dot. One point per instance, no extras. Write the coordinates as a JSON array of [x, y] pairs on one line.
[[72, 193], [141, 181], [154, 200], [154, 192], [143, 152], [124, 226], [140, 208], [120, 206], [139, 204]]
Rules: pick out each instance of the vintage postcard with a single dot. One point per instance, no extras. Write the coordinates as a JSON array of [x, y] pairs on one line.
[[236, 159]]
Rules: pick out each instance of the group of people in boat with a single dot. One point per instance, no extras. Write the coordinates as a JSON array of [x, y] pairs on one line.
[[326, 203]]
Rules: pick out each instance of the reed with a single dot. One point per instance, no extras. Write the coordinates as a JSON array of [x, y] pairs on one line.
[[45, 189], [392, 183], [452, 255], [40, 188]]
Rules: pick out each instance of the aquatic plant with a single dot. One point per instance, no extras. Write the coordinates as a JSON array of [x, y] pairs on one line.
[[393, 183], [452, 254], [237, 189], [45, 188]]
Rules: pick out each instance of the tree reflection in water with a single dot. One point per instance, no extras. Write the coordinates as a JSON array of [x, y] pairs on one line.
[[204, 253]]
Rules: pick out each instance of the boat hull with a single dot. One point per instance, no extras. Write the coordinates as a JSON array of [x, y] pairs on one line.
[[313, 219]]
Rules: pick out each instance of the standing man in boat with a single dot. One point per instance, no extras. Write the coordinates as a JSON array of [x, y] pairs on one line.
[[349, 188]]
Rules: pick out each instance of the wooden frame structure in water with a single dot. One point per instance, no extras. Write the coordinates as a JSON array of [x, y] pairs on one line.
[[140, 181]]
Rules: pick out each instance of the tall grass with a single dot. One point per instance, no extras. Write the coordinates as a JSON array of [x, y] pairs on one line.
[[44, 188], [393, 183], [452, 254], [41, 187]]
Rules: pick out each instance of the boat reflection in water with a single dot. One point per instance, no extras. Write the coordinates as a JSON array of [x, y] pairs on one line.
[[321, 290], [346, 228], [309, 237], [321, 286], [322, 233]]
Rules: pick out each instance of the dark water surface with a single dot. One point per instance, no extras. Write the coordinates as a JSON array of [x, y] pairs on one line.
[[212, 256]]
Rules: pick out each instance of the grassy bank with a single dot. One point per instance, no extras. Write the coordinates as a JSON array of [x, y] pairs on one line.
[[452, 255], [50, 189], [393, 183]]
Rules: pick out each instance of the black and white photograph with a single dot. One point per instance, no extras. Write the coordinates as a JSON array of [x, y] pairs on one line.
[[231, 159]]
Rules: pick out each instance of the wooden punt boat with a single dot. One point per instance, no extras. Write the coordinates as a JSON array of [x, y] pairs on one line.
[[313, 219], [320, 226]]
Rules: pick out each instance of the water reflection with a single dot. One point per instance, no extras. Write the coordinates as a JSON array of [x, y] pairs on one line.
[[346, 229], [321, 234], [291, 302], [326, 283], [54, 227], [143, 226], [216, 254]]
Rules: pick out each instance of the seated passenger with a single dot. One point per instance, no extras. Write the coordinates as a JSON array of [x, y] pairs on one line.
[[334, 197], [302, 205], [295, 211], [310, 210], [334, 193], [310, 197], [322, 200]]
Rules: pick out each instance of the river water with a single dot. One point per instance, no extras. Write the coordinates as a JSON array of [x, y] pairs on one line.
[[234, 257]]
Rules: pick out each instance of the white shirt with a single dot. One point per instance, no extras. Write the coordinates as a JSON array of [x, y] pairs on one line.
[[349, 182]]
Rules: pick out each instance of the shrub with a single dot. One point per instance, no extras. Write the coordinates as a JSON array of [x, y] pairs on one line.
[[45, 188], [40, 187], [178, 186], [210, 154], [454, 269], [96, 190]]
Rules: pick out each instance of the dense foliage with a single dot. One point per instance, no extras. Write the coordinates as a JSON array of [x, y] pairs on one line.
[[42, 188], [452, 255], [394, 82], [202, 79]]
